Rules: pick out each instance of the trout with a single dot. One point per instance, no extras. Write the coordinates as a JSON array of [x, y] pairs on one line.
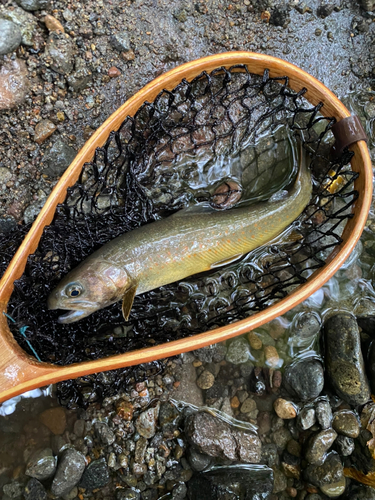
[[162, 252]]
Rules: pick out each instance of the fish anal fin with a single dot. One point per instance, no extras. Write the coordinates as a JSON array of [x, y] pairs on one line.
[[224, 262], [127, 301]]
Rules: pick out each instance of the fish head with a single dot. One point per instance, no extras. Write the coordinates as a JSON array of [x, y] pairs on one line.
[[88, 288]]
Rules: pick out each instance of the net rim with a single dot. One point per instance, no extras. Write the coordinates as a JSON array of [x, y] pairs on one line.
[[25, 373]]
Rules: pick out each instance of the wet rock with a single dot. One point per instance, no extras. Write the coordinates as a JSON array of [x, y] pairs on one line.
[[270, 455], [14, 84], [33, 4], [96, 475], [257, 382], [306, 418], [284, 409], [279, 481], [344, 360], [188, 391], [360, 492], [318, 446], [54, 419], [10, 36], [70, 468], [248, 406], [211, 353], [104, 433], [368, 5], [281, 437], [53, 24], [304, 379], [58, 158], [198, 461], [128, 494], [345, 422], [79, 427], [146, 422], [120, 41], [305, 328], [13, 490], [81, 77], [25, 22], [238, 351], [325, 9], [215, 438], [344, 445], [41, 465], [323, 413], [43, 130], [205, 380], [113, 72], [59, 53], [334, 490], [330, 472], [34, 490], [33, 210], [220, 484], [280, 16], [140, 450]]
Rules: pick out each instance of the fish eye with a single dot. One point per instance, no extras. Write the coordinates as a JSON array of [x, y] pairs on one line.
[[73, 290]]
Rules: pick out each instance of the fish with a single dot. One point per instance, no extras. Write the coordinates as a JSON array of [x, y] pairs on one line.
[[191, 241]]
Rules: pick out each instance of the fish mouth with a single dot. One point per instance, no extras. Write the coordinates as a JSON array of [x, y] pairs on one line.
[[73, 315], [75, 312]]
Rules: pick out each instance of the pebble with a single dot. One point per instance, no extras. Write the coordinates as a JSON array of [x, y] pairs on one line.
[[238, 351], [344, 445], [334, 490], [281, 437], [104, 433], [113, 72], [25, 21], [284, 409], [81, 77], [323, 413], [318, 446], [13, 490], [146, 422], [279, 481], [120, 41], [128, 494], [254, 341], [96, 475], [34, 490], [53, 24], [70, 468], [205, 380], [59, 53], [345, 422], [214, 437], [10, 36], [54, 419], [13, 84], [344, 360], [33, 4], [294, 448], [198, 461], [43, 130], [41, 465], [272, 356], [58, 158], [304, 379], [330, 472], [248, 406], [306, 418]]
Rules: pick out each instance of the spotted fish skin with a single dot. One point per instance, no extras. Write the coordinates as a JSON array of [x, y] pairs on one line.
[[168, 250]]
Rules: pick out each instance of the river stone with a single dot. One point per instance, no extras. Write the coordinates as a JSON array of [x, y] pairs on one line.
[[345, 422], [25, 21], [41, 465], [54, 419], [334, 490], [215, 438], [120, 41], [344, 360], [35, 490], [128, 494], [146, 422], [330, 472], [13, 490], [360, 492], [232, 481], [344, 445], [371, 366], [104, 433], [10, 36], [69, 472], [323, 413], [33, 4], [96, 475], [59, 53], [306, 418], [238, 351], [304, 379], [58, 158], [318, 446]]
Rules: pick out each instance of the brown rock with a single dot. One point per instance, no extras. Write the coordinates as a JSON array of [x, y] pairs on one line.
[[284, 409], [54, 419], [113, 72], [205, 380], [13, 84], [254, 341], [125, 410], [43, 130], [235, 402], [128, 56], [272, 356], [53, 24]]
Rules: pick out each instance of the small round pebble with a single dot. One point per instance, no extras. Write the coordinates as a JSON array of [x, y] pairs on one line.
[[205, 380], [113, 72], [10, 36], [254, 341], [272, 356], [345, 422], [284, 409], [248, 406]]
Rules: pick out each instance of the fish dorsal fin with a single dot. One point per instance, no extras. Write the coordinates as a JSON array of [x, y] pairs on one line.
[[195, 209], [127, 301], [224, 262]]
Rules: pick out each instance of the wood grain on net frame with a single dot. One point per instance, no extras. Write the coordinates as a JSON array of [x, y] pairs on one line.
[[20, 372]]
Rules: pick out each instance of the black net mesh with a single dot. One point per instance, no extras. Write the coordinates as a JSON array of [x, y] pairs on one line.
[[173, 153]]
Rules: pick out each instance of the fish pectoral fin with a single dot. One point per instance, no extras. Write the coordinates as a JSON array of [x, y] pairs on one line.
[[224, 262], [127, 301]]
